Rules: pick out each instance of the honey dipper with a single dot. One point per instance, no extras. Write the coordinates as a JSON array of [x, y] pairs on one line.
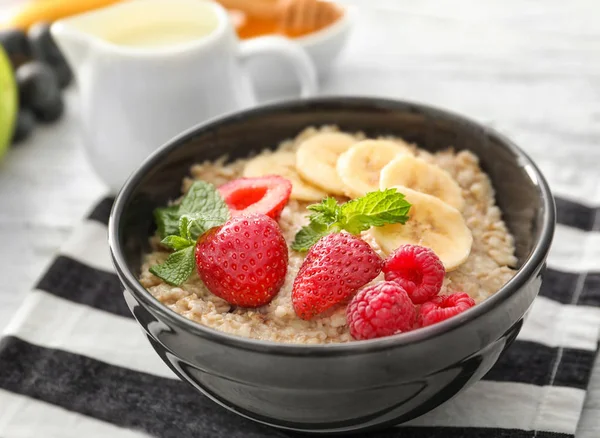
[[292, 15]]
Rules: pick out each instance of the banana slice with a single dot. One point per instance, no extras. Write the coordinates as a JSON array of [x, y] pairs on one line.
[[316, 159], [359, 167], [418, 174], [432, 223], [284, 164]]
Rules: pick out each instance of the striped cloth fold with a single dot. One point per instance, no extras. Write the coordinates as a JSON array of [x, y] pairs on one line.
[[74, 363]]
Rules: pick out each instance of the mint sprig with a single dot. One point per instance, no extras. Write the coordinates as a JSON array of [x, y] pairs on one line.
[[375, 209], [202, 199], [175, 242], [201, 209], [177, 268]]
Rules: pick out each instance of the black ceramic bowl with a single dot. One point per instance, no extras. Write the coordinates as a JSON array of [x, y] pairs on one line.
[[336, 387]]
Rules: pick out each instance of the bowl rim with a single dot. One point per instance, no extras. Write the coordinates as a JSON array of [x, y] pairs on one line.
[[513, 286]]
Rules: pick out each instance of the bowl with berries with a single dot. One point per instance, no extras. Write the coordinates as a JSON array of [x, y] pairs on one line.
[[336, 264]]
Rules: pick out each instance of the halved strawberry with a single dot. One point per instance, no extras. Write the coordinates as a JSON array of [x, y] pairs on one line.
[[264, 195]]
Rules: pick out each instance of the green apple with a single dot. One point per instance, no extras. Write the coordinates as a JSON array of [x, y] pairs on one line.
[[9, 104]]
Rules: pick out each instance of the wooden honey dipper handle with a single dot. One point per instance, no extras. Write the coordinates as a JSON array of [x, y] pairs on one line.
[[307, 15], [294, 15], [263, 9]]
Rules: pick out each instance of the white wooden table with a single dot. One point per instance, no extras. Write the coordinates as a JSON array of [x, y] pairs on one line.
[[529, 68]]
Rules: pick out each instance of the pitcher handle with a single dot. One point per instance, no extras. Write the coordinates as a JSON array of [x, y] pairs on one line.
[[298, 58]]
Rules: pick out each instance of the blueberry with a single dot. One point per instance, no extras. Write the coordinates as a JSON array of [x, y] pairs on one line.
[[45, 49], [39, 90], [63, 73], [52, 111], [16, 45], [42, 44], [24, 126]]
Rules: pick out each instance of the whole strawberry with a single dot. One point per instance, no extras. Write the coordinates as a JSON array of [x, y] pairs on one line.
[[244, 261], [334, 269]]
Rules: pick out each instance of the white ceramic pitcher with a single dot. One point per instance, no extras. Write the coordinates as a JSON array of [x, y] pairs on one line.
[[135, 94]]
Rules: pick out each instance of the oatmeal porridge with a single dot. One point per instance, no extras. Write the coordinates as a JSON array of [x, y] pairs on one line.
[[452, 211]]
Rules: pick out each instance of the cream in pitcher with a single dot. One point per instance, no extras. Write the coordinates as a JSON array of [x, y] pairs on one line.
[[162, 34], [146, 70]]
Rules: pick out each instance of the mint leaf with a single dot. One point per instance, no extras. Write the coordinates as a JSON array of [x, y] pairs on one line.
[[322, 222], [327, 211], [176, 242], [167, 220], [309, 235], [192, 226], [177, 268], [202, 199], [201, 223], [375, 209], [197, 226], [372, 210], [183, 228]]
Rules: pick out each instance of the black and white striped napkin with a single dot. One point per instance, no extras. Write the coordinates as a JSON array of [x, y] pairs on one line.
[[74, 363]]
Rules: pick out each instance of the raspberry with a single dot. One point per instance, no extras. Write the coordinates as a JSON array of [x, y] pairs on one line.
[[265, 195], [417, 269], [443, 307], [333, 270], [382, 309], [244, 261]]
